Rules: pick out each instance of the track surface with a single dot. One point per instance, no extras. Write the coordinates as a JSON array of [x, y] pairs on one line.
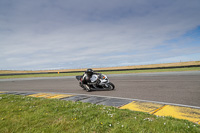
[[176, 87]]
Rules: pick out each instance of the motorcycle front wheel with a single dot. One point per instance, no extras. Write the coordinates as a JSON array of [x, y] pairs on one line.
[[109, 86]]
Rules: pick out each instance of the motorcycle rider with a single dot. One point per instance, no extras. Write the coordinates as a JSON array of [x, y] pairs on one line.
[[87, 79], [87, 76]]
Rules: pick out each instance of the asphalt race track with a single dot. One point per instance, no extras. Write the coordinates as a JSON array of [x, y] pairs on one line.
[[169, 87]]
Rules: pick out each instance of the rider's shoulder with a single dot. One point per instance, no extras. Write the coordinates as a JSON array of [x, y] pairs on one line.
[[84, 74]]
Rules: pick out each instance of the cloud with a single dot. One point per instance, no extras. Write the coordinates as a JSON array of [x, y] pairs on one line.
[[80, 34]]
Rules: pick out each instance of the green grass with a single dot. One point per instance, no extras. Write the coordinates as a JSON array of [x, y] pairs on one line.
[[28, 114], [111, 72]]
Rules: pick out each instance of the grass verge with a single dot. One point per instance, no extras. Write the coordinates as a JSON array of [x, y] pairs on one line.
[[111, 72], [28, 114]]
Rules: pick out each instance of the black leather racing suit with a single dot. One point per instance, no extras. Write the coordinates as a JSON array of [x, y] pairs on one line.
[[87, 78]]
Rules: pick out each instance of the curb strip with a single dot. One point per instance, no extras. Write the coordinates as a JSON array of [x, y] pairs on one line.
[[155, 108]]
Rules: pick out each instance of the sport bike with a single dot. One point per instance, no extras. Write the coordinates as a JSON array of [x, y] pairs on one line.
[[98, 82]]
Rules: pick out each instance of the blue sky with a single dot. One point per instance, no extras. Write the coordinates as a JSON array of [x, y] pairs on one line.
[[65, 34]]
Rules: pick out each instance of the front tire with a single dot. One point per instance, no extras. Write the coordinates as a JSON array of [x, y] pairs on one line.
[[109, 86], [112, 86]]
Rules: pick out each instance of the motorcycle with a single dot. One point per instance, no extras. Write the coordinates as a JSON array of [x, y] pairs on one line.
[[98, 82]]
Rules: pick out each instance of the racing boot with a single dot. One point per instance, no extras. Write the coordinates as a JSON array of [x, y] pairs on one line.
[[87, 87]]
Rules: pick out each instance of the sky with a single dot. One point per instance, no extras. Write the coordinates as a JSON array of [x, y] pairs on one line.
[[68, 34]]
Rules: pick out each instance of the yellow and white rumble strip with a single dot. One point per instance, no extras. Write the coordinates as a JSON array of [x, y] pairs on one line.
[[49, 95], [180, 112], [186, 112]]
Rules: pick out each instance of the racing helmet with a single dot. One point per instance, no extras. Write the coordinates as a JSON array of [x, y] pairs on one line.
[[89, 72]]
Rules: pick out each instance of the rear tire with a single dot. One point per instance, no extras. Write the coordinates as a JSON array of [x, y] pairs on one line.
[[81, 85]]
